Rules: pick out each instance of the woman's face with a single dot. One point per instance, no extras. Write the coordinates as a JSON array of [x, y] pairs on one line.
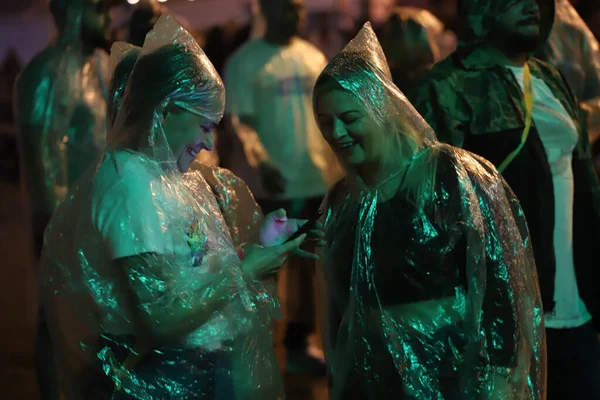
[[188, 134], [348, 128]]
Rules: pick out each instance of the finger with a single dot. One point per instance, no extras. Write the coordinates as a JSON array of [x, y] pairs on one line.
[[278, 215], [306, 254], [290, 246], [294, 224], [316, 233]]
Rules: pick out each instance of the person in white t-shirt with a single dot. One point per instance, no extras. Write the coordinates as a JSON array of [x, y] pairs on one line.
[[147, 295], [494, 98], [287, 163]]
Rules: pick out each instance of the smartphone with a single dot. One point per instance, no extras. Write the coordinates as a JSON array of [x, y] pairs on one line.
[[307, 227]]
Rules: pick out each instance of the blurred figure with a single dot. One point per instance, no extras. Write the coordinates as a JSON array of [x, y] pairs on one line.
[[493, 98], [142, 21], [216, 47], [61, 105], [447, 12], [269, 84], [590, 12], [410, 39], [575, 52]]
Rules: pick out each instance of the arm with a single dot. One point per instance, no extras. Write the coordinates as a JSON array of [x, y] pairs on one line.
[[44, 158], [591, 98], [166, 311], [241, 108]]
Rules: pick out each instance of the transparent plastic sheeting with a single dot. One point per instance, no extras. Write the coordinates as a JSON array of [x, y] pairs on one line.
[[431, 294], [61, 106], [573, 49], [136, 244]]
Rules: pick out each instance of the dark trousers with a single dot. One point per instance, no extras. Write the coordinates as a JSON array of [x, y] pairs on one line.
[[573, 363], [299, 288]]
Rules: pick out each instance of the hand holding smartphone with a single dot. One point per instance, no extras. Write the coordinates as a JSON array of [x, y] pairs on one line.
[[307, 227]]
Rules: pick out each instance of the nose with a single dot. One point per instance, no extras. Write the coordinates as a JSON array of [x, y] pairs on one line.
[[339, 130]]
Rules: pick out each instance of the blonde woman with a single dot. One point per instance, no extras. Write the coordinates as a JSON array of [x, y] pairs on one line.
[[430, 280]]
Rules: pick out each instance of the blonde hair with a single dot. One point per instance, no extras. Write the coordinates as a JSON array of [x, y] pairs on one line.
[[402, 145]]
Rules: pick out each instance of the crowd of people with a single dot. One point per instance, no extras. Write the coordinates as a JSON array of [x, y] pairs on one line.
[[438, 187]]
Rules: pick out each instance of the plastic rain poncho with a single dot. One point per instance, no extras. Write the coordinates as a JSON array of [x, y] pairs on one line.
[[61, 108], [432, 293], [575, 52], [135, 205]]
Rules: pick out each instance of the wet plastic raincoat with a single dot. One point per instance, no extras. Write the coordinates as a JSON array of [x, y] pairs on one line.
[[134, 245], [473, 103], [61, 108], [575, 52], [430, 280]]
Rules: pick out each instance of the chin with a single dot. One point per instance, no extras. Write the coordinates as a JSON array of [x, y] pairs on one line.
[[525, 42]]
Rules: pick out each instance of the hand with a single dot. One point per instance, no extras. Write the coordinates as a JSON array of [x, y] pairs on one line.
[[261, 262], [271, 177], [277, 228]]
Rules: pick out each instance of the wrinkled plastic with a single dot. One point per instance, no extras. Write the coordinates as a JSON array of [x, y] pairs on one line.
[[432, 292], [96, 308], [61, 106], [574, 51]]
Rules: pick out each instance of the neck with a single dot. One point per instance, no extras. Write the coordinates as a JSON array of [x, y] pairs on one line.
[[503, 55], [373, 174], [511, 58], [276, 38], [370, 173], [517, 60]]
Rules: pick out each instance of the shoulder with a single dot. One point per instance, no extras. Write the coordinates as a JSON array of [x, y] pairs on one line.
[[443, 75], [123, 172], [40, 72], [249, 52], [305, 45], [310, 52], [552, 73]]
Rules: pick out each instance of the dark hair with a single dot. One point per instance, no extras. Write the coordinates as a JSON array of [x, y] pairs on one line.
[[58, 9], [141, 22], [118, 83]]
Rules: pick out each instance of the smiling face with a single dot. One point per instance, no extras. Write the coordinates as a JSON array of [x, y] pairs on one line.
[[188, 134], [348, 128]]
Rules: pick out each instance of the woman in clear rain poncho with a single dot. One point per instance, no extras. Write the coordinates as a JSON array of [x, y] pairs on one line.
[[429, 275], [243, 218], [146, 295]]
